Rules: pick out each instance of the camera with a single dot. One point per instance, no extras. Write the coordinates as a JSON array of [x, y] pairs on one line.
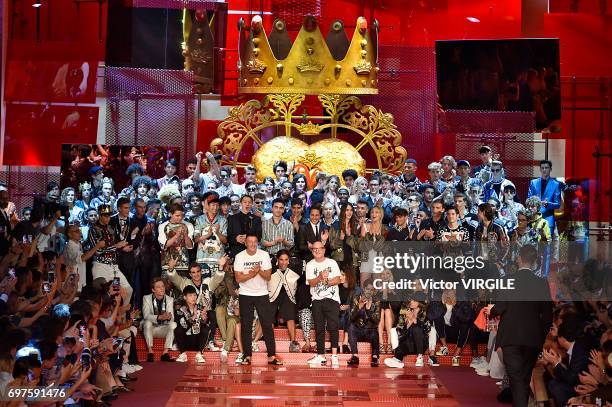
[[116, 283], [46, 287]]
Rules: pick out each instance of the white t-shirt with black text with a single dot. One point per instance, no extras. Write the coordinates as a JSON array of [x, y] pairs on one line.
[[322, 291], [243, 263]]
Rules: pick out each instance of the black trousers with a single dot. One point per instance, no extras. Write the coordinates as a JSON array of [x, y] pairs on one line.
[[186, 342], [519, 362], [411, 343], [248, 305], [364, 335], [326, 313], [458, 333]]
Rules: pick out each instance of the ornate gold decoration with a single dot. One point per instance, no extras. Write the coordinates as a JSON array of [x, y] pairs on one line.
[[361, 126], [309, 64], [309, 129], [256, 66], [363, 68], [198, 49]]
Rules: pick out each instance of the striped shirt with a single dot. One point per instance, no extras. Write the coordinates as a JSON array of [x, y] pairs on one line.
[[271, 231]]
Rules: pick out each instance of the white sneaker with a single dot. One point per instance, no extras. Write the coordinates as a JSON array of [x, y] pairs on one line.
[[478, 361], [136, 367], [199, 358], [254, 347], [239, 358], [174, 347], [482, 371], [393, 362], [335, 361], [419, 361], [182, 358], [443, 351], [318, 360], [212, 347], [223, 356], [456, 361], [127, 368]]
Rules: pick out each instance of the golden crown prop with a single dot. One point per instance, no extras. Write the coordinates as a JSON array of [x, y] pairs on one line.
[[309, 68]]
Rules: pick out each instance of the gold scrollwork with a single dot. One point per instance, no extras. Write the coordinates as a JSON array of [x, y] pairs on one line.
[[367, 125]]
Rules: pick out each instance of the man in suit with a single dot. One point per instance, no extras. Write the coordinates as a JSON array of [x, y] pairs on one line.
[[121, 222], [526, 318], [566, 373], [241, 224], [311, 232], [549, 191], [158, 319]]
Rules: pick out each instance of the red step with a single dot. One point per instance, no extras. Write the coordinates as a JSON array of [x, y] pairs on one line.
[[282, 348], [300, 359]]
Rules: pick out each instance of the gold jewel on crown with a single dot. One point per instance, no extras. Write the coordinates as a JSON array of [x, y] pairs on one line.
[[309, 66]]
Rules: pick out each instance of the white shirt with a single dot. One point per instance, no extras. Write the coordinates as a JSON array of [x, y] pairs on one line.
[[322, 291], [243, 263]]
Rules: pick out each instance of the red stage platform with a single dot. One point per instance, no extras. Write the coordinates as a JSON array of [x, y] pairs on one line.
[[261, 385]]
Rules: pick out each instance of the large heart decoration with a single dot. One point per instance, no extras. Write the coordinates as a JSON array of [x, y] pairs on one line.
[[331, 156]]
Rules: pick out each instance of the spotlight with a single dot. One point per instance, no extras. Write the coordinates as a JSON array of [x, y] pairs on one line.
[[37, 3], [472, 19]]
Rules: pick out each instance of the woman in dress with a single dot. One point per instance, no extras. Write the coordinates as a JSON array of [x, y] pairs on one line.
[[331, 191], [371, 242]]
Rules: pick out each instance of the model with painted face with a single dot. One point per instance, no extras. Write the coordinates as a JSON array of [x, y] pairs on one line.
[[286, 191], [86, 192]]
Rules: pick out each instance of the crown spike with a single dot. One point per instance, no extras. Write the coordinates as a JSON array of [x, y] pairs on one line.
[[337, 41], [279, 39], [311, 65]]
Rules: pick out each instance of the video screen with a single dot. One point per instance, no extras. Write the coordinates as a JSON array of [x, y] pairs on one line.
[[84, 162], [517, 75]]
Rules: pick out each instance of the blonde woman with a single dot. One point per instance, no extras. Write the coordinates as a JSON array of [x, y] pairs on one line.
[[371, 242], [360, 189]]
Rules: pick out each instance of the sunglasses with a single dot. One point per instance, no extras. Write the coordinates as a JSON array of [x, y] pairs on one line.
[[498, 170], [412, 200], [259, 202], [187, 186], [252, 189]]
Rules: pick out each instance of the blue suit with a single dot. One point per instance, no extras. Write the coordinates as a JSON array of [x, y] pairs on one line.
[[552, 194]]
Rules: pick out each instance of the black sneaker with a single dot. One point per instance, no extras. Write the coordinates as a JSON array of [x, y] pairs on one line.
[[374, 362], [150, 357], [166, 358], [353, 361], [433, 361]]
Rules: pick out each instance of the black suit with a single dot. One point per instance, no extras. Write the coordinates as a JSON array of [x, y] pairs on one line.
[[522, 329], [5, 233], [241, 224], [567, 374], [125, 260], [306, 235]]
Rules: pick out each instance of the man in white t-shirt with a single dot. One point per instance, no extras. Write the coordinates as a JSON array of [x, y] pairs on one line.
[[252, 270], [323, 276]]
